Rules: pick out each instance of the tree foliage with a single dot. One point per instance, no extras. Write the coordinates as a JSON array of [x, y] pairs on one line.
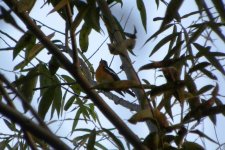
[[64, 81]]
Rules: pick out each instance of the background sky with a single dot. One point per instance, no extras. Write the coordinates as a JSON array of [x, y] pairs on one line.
[[141, 58]]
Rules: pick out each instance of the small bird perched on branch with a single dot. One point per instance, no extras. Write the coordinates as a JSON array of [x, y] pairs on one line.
[[104, 74]]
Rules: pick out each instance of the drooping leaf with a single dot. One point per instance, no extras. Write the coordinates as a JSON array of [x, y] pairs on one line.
[[158, 32], [172, 11], [26, 41], [201, 134], [53, 65], [199, 66], [83, 37], [69, 103], [57, 101], [91, 140], [59, 6], [197, 34], [140, 116], [191, 145], [27, 88], [46, 101], [205, 52], [175, 49], [142, 11], [204, 89], [194, 101], [164, 63], [76, 119], [10, 125], [115, 139], [92, 17], [208, 73], [163, 42]]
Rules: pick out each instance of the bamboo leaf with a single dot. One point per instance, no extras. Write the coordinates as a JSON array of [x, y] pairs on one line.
[[91, 140], [163, 42], [191, 145], [59, 6], [27, 40], [140, 116], [158, 32], [171, 11], [198, 67], [115, 139], [46, 102], [69, 103], [142, 11], [201, 134], [205, 52], [204, 89], [83, 37]]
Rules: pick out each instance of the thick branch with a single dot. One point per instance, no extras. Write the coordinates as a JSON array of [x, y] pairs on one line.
[[33, 128], [77, 74]]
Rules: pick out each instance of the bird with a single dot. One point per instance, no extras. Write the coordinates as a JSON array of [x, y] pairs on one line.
[[104, 74]]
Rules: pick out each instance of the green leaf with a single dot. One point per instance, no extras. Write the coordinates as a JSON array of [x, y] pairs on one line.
[[174, 39], [197, 33], [45, 78], [26, 41], [76, 119], [205, 52], [91, 140], [201, 134], [219, 4], [46, 102], [208, 73], [30, 81], [92, 17], [204, 89], [140, 116], [191, 146], [69, 103], [158, 32], [198, 67], [57, 102], [142, 11], [172, 11], [10, 125], [115, 139], [59, 6], [83, 37], [163, 42]]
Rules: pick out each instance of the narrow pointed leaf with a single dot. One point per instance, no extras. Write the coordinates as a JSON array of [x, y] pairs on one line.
[[205, 52], [158, 32], [83, 37], [46, 102], [142, 11], [60, 5], [69, 103], [198, 67], [171, 11], [115, 139], [163, 42], [91, 140]]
